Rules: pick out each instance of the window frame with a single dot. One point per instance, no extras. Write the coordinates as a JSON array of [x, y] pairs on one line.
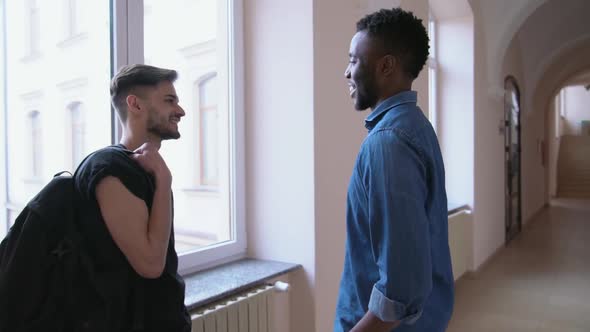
[[4, 214], [432, 63]]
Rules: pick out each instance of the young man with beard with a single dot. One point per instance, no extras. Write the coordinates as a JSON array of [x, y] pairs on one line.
[[397, 270], [127, 211]]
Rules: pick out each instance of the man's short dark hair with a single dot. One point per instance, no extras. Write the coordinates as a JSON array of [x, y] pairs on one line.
[[402, 34], [133, 76]]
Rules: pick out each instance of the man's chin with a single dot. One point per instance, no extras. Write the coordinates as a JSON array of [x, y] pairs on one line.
[[359, 108], [170, 136]]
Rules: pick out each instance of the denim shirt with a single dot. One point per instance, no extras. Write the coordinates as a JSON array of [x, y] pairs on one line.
[[397, 262]]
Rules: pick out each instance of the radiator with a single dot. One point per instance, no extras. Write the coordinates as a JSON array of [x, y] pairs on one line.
[[460, 241], [251, 311]]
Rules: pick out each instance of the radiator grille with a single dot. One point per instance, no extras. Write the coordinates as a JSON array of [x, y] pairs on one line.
[[247, 312]]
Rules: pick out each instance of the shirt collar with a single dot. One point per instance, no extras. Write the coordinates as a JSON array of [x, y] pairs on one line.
[[389, 103]]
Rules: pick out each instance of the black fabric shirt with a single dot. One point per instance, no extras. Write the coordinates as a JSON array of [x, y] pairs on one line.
[[133, 303]]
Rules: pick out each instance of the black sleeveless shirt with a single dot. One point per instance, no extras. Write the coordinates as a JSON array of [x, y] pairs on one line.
[[132, 303]]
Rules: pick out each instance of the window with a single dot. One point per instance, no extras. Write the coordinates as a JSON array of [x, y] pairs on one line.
[[33, 29], [199, 39], [208, 131], [36, 144], [432, 74], [77, 133]]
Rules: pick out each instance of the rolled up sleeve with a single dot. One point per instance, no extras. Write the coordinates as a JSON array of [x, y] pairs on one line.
[[396, 182]]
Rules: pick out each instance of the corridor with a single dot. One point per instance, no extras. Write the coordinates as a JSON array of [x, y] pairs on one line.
[[539, 282]]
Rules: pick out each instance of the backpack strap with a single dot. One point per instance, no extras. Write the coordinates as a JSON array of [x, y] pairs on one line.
[[62, 173]]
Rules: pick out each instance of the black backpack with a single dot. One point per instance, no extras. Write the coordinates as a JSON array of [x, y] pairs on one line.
[[44, 266], [39, 257]]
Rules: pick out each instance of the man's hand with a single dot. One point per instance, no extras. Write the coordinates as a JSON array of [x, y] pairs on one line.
[[371, 323], [150, 159]]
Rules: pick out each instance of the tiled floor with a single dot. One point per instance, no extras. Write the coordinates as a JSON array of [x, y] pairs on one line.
[[540, 282]]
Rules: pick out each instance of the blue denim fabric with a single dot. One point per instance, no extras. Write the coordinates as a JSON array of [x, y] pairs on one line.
[[397, 262]]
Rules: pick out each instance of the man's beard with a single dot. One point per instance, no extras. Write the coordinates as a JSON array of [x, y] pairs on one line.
[[366, 92], [158, 127], [364, 99]]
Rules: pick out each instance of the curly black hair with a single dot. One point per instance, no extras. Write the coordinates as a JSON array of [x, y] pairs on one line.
[[402, 34]]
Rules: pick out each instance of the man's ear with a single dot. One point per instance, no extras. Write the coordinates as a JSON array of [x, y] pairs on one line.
[[133, 104], [387, 65]]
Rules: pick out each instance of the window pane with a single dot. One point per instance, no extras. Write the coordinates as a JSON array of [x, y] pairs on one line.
[[201, 179], [432, 97], [44, 93], [432, 37], [432, 70]]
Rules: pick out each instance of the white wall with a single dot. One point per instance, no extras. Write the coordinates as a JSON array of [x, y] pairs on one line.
[[501, 21], [338, 133], [534, 184], [544, 34], [488, 156], [280, 143], [577, 108]]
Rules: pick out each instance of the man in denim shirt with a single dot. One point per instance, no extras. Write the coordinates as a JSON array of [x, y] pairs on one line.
[[397, 270]]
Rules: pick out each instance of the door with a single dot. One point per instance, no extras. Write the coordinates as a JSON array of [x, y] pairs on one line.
[[512, 159]]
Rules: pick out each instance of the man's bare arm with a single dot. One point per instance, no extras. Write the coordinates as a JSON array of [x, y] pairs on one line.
[[142, 237]]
